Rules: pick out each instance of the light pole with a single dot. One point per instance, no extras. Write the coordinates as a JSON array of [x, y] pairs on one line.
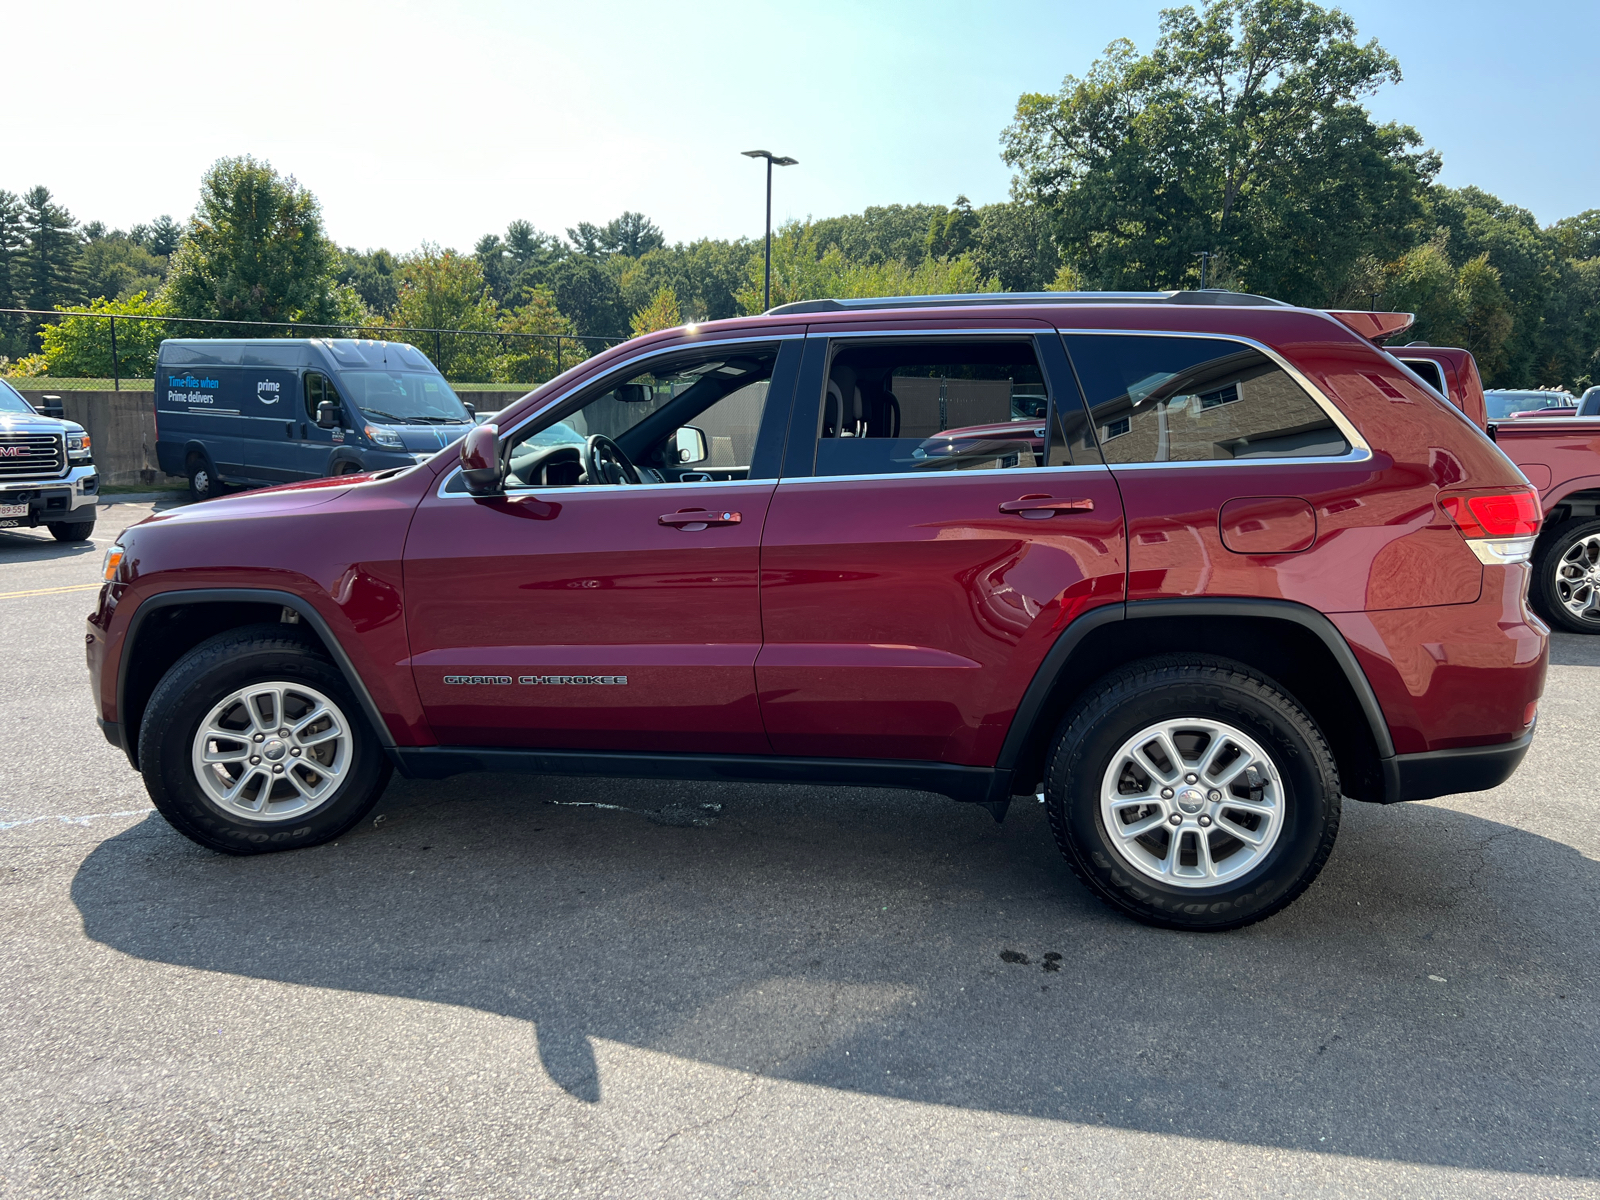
[[772, 161]]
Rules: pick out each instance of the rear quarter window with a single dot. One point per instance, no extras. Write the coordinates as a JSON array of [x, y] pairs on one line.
[[1187, 399]]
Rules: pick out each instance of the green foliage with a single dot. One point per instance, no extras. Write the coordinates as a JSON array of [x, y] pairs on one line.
[[13, 241], [878, 234], [952, 234], [705, 276], [373, 277], [1015, 245], [442, 290], [50, 262], [586, 292], [535, 360], [115, 266], [81, 345], [660, 313], [632, 234], [803, 270], [1239, 134], [254, 250]]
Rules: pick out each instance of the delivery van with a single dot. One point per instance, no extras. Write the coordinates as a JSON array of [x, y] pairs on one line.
[[255, 412]]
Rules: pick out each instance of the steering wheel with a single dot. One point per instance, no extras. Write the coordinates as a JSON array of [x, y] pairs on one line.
[[604, 461]]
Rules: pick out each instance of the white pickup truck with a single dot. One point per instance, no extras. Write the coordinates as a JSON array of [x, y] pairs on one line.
[[47, 474]]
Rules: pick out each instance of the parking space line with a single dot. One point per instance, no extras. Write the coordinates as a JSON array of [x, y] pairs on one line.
[[79, 820], [76, 587]]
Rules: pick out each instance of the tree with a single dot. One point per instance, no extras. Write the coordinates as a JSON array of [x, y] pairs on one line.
[[953, 233], [880, 233], [585, 293], [1015, 246], [160, 237], [534, 360], [661, 313], [115, 266], [506, 261], [13, 241], [1239, 134], [79, 346], [254, 250], [373, 276], [50, 259], [443, 290]]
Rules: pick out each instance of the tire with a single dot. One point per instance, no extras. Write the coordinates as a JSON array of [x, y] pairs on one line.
[[71, 531], [203, 482], [328, 780], [1289, 779], [1566, 576]]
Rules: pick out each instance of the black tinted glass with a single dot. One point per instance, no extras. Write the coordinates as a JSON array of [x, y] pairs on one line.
[[1184, 399], [928, 405]]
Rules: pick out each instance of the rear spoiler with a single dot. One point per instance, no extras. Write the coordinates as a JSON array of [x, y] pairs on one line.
[[1376, 327]]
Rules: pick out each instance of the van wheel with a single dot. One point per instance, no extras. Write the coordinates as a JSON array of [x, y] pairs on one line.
[[1566, 576], [71, 531], [203, 485], [253, 742], [1191, 792]]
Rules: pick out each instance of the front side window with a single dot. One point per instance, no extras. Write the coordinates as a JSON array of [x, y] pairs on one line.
[[1185, 399], [318, 389], [688, 419], [926, 405]]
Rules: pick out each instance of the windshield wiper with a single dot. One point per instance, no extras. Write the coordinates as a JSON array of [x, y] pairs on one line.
[[389, 416], [463, 419]]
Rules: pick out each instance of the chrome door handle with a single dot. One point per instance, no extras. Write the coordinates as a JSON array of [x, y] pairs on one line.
[[691, 520], [1039, 507]]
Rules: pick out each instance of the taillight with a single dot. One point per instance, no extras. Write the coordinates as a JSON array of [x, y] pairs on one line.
[[1499, 526]]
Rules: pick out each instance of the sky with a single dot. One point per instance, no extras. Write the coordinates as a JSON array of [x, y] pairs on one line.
[[416, 122]]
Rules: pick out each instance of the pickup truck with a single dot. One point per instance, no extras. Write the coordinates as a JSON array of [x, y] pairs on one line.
[[1560, 456], [47, 476]]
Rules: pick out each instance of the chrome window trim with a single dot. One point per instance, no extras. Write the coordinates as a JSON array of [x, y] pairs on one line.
[[833, 335], [1359, 449], [543, 409], [1033, 473]]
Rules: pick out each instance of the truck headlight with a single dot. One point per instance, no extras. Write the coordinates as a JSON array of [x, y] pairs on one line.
[[387, 438], [77, 445]]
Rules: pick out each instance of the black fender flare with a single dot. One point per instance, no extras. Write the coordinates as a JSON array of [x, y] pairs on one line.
[[193, 447], [343, 455], [1060, 655], [289, 600]]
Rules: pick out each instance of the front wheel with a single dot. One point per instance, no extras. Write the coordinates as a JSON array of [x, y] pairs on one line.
[[203, 483], [1192, 793], [71, 531], [253, 742], [1566, 576]]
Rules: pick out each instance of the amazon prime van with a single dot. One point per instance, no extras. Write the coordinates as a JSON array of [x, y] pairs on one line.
[[255, 412]]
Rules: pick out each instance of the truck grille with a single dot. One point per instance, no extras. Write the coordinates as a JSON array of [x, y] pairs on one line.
[[32, 455]]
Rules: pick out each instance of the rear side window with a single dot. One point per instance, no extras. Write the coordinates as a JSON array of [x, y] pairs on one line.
[[1429, 371], [924, 405], [1186, 399]]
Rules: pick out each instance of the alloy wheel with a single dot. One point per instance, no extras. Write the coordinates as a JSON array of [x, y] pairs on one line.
[[1192, 802], [1577, 578], [272, 751]]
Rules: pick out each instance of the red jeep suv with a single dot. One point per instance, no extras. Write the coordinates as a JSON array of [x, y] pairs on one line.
[[1222, 564]]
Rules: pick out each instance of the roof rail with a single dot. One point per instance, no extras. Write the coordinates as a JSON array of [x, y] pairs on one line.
[[967, 299]]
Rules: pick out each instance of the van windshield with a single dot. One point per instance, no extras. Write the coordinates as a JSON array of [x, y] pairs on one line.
[[11, 400], [404, 397]]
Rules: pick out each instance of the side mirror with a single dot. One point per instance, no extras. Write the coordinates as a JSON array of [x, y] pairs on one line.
[[472, 409], [480, 461], [327, 415], [50, 406], [690, 444]]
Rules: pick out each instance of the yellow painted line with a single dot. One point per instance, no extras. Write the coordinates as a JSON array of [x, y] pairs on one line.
[[77, 587]]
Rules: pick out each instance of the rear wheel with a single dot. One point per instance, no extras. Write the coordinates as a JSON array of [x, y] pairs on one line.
[[252, 742], [203, 483], [71, 531], [1566, 576], [1192, 793]]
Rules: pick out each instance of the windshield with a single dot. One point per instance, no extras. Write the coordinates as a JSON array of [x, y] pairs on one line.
[[559, 434], [11, 400], [1503, 404], [404, 397]]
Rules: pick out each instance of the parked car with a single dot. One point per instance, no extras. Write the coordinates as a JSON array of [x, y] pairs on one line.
[[1557, 448], [47, 474], [1239, 583], [1506, 403], [276, 410]]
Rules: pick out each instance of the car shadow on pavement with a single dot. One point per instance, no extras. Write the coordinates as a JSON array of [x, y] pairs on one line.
[[1430, 1000], [39, 546]]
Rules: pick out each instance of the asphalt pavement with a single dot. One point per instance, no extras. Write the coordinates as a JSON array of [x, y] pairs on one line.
[[509, 987]]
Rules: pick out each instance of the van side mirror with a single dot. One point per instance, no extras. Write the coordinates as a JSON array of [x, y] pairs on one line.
[[327, 415], [472, 409], [481, 469], [690, 444]]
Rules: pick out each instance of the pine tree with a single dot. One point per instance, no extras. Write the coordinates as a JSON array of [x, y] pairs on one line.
[[51, 258], [13, 243]]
